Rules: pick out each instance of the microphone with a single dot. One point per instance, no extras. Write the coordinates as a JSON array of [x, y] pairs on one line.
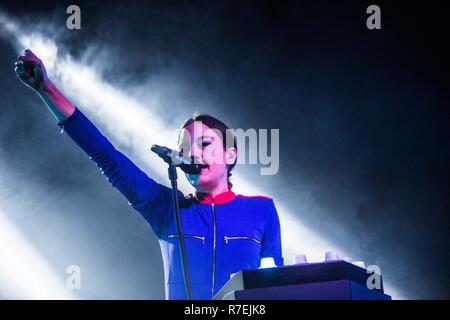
[[176, 158]]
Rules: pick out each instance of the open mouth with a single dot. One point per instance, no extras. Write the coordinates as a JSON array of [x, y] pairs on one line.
[[197, 173], [204, 168]]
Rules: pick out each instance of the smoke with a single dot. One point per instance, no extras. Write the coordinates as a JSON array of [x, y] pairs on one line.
[[133, 126]]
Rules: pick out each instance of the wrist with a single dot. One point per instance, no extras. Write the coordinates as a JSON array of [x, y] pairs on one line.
[[46, 88]]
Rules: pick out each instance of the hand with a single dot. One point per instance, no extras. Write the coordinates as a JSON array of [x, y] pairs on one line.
[[31, 71]]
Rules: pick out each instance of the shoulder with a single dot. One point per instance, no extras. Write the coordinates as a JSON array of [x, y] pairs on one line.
[[261, 207], [260, 197], [257, 200]]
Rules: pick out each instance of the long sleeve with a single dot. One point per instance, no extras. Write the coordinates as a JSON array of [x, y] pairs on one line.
[[271, 241], [150, 199]]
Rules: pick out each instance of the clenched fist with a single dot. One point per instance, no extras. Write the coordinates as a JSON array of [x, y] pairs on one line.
[[30, 70]]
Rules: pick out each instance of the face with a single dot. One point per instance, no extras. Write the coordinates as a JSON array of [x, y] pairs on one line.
[[206, 146]]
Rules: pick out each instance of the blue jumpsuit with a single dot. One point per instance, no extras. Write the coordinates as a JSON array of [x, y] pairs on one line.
[[222, 235]]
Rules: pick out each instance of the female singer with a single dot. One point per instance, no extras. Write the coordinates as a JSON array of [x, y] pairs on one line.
[[223, 232]]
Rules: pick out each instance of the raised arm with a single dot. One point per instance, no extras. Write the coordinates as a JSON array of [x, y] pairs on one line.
[[151, 199]]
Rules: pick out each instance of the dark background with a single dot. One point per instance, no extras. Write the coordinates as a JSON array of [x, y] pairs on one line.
[[363, 119]]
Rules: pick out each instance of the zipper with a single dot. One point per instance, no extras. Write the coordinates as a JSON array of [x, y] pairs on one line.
[[188, 236], [214, 248], [241, 238]]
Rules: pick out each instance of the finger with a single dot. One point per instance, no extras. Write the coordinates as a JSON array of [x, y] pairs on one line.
[[31, 54], [20, 65], [19, 71], [22, 70], [29, 57], [26, 58], [26, 66]]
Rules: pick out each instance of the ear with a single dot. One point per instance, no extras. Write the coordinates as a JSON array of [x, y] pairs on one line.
[[231, 155]]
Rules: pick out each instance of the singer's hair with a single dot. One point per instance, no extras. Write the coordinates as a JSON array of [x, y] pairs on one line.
[[227, 135]]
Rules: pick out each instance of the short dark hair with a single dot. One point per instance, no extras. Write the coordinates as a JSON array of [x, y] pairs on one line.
[[227, 135]]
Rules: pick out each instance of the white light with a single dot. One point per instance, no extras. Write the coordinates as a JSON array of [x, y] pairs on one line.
[[24, 273]]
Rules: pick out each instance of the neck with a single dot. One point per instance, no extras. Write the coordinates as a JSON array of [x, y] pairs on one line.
[[215, 198], [217, 189]]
